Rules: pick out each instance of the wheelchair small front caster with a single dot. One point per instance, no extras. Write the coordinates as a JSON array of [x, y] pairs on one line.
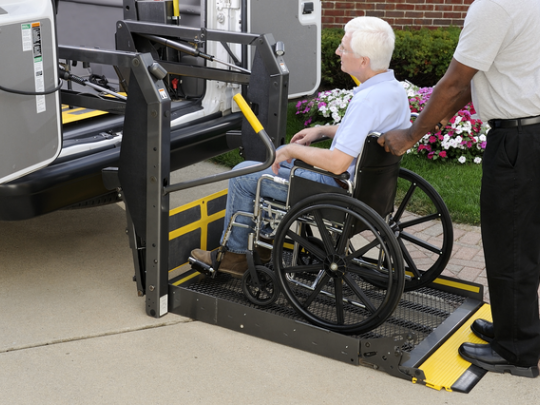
[[263, 289]]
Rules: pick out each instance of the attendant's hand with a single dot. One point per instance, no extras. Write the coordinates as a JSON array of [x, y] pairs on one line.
[[397, 142]]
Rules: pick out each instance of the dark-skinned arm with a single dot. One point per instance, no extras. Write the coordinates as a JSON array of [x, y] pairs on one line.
[[450, 94]]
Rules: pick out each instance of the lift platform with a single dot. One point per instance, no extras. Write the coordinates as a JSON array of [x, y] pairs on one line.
[[418, 342]]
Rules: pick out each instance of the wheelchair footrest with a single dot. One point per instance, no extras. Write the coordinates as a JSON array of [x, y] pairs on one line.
[[202, 267]]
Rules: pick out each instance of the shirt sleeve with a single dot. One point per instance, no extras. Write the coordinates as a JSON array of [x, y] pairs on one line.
[[354, 128], [485, 29]]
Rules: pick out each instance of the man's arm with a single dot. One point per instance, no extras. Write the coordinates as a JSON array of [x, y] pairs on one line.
[[450, 94], [308, 135], [334, 160]]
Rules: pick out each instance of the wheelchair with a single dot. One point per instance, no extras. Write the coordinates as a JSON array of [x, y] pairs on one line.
[[342, 256]]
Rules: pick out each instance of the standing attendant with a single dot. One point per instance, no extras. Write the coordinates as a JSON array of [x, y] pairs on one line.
[[497, 64]]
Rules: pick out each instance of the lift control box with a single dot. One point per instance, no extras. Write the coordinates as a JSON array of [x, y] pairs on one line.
[[30, 129]]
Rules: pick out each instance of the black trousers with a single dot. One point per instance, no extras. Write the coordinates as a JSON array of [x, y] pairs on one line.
[[510, 216]]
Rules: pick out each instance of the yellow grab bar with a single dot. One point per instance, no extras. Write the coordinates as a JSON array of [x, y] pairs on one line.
[[248, 113]]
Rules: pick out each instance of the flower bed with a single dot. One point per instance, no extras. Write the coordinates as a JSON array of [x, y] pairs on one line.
[[463, 139]]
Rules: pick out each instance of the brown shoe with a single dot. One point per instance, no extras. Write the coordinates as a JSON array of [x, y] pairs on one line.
[[232, 263]]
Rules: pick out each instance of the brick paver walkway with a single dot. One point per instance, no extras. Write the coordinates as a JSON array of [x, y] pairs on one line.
[[467, 260]]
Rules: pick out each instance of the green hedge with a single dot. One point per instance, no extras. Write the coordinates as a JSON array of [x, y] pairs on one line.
[[420, 56]]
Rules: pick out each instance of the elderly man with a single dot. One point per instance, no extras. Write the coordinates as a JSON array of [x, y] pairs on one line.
[[496, 62], [379, 104]]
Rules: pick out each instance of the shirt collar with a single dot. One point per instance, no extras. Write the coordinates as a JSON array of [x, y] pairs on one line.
[[372, 81]]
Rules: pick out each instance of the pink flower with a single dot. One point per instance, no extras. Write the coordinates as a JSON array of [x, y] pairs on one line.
[[430, 155], [432, 139], [442, 154]]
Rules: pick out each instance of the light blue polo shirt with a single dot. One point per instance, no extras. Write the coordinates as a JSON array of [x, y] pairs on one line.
[[380, 104]]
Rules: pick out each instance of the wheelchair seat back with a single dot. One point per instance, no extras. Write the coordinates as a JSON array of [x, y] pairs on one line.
[[374, 183], [376, 177]]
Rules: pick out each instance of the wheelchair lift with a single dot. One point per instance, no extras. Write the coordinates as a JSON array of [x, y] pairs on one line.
[[421, 327]]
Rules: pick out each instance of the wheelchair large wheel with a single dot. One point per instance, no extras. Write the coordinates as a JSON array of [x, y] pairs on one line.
[[324, 277], [426, 239]]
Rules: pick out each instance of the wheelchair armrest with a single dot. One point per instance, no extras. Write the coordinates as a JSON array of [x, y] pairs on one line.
[[343, 176]]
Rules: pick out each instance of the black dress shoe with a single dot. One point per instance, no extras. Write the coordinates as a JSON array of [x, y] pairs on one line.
[[483, 356], [483, 329]]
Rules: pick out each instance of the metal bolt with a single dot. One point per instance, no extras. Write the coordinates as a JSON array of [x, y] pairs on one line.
[[136, 62], [152, 288], [119, 25], [154, 114], [153, 179]]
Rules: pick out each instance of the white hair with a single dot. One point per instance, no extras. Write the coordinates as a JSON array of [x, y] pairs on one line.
[[372, 37]]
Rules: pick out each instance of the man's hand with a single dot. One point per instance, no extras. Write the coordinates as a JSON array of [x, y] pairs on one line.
[[282, 154], [397, 142], [306, 136]]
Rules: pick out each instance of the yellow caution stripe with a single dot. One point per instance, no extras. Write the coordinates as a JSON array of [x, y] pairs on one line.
[[187, 278], [78, 114], [446, 367]]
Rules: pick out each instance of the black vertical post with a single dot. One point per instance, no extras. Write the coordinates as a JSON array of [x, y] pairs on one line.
[[144, 171]]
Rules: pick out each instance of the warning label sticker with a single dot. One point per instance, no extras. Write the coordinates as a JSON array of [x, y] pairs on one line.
[[31, 41]]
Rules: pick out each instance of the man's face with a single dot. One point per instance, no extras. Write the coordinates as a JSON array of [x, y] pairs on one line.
[[348, 58]]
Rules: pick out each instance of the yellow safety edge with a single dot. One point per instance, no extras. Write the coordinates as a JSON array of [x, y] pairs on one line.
[[446, 366], [202, 223], [248, 113]]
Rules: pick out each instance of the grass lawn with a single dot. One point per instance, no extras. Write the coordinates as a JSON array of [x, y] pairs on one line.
[[458, 185]]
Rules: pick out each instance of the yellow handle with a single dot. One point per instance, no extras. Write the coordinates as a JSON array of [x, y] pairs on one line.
[[176, 8], [356, 80], [248, 113]]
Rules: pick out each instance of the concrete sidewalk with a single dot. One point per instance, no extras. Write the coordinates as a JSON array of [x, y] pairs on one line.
[[73, 331]]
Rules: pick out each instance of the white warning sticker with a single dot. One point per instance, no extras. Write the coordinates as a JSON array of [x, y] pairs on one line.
[[163, 304], [163, 94], [26, 37]]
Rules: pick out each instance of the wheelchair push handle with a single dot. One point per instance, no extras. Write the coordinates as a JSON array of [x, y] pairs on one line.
[[259, 129]]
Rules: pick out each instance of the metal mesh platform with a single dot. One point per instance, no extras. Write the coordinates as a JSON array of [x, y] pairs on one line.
[[419, 312]]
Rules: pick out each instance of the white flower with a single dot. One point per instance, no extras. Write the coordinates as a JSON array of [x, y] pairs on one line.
[[482, 138], [467, 126], [477, 160], [462, 159], [458, 139]]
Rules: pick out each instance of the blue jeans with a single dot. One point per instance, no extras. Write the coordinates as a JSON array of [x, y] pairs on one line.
[[241, 196]]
